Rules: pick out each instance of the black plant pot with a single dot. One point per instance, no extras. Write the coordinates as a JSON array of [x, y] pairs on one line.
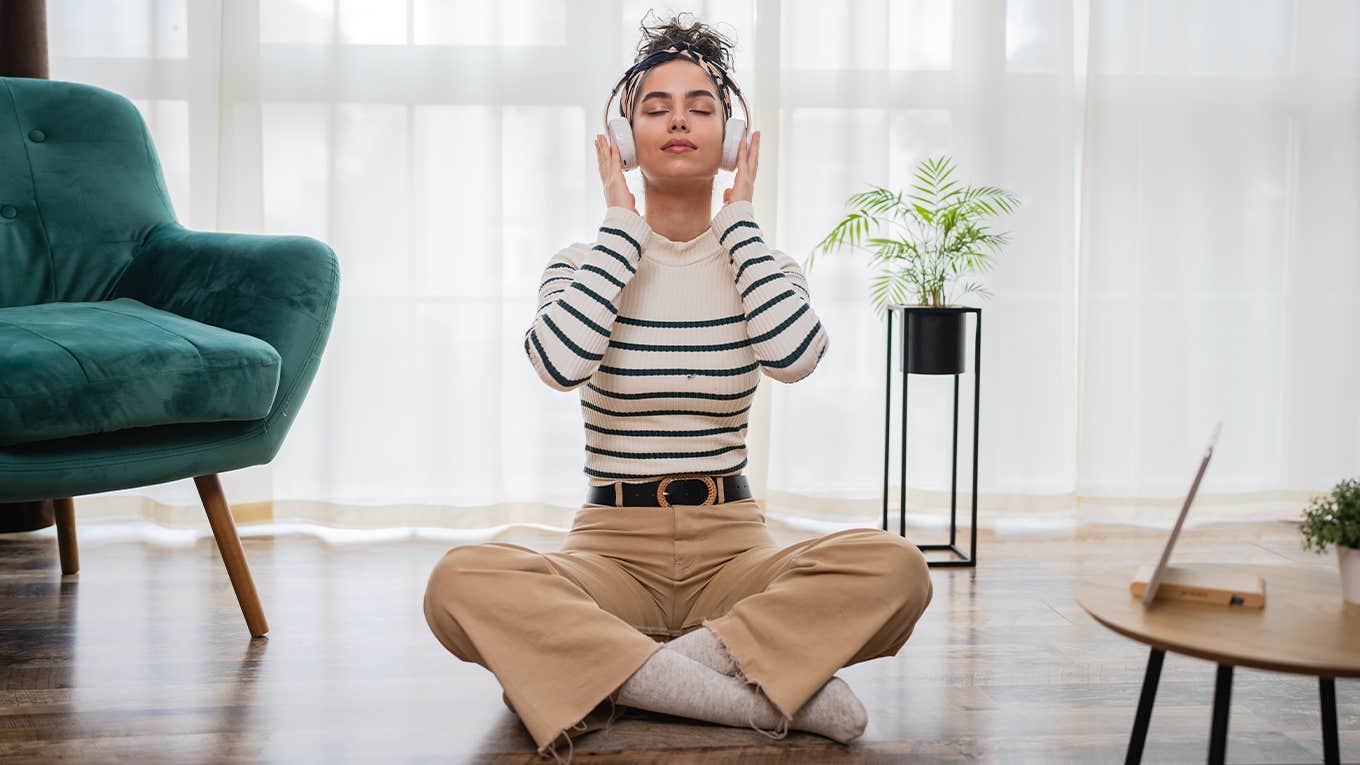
[[934, 340]]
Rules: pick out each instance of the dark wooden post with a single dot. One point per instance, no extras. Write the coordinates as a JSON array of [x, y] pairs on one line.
[[23, 38], [23, 53]]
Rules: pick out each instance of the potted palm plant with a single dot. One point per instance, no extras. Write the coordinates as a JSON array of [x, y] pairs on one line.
[[1334, 520], [940, 238]]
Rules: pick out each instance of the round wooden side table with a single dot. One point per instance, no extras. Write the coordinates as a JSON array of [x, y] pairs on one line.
[[1305, 628]]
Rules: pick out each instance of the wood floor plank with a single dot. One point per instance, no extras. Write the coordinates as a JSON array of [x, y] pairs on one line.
[[143, 657]]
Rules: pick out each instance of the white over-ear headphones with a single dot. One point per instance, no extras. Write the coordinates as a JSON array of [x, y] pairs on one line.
[[620, 129]]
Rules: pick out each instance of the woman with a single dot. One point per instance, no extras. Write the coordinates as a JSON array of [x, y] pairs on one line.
[[665, 325]]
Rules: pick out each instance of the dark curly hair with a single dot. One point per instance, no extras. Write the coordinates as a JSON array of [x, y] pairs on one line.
[[698, 37]]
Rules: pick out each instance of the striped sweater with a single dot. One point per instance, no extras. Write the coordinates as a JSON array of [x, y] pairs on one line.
[[666, 341]]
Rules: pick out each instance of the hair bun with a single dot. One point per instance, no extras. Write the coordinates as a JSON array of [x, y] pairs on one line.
[[698, 37]]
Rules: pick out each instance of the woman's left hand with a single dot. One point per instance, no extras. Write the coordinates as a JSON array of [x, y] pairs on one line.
[[748, 156]]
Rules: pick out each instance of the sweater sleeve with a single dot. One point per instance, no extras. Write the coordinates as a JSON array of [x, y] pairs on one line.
[[785, 332], [578, 300]]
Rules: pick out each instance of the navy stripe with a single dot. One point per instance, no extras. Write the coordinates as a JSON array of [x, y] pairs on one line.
[[562, 265], [621, 476], [578, 350], [624, 234], [815, 362], [663, 433], [571, 309], [658, 412], [553, 279], [799, 287], [760, 281], [646, 347], [701, 372], [677, 324], [602, 272], [792, 357], [760, 259], [597, 297], [550, 302], [743, 243], [662, 455], [564, 382], [736, 225], [802, 309], [672, 394], [770, 302], [617, 256]]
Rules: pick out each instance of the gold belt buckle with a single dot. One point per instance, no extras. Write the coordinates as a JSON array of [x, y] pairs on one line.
[[707, 479]]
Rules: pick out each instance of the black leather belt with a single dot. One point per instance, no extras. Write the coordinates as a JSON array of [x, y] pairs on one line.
[[685, 489]]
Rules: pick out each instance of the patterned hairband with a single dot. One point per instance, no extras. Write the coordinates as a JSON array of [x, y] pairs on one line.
[[715, 73]]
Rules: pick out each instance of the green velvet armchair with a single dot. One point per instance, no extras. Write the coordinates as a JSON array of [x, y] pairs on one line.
[[134, 351]]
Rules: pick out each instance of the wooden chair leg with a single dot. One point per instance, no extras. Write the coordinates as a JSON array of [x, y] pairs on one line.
[[64, 512], [233, 555]]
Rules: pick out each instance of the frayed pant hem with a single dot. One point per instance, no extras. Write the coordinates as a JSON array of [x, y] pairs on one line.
[[741, 662], [549, 748]]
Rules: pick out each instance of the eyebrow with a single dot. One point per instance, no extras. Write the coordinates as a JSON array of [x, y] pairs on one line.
[[691, 94]]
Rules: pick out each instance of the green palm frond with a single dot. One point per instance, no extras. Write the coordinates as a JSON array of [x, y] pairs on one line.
[[986, 200], [850, 230], [941, 234], [876, 200], [974, 288], [888, 250], [935, 185], [891, 287]]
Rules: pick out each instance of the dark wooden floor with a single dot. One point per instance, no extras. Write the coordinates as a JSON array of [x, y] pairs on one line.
[[143, 657]]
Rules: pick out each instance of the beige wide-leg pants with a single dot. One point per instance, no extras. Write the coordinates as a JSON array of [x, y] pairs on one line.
[[563, 630]]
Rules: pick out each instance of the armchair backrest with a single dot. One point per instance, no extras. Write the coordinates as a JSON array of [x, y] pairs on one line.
[[80, 189]]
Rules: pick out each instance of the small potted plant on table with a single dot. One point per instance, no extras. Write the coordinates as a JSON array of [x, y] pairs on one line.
[[941, 239], [1334, 520]]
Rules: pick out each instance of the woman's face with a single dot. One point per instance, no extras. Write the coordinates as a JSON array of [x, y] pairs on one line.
[[678, 102]]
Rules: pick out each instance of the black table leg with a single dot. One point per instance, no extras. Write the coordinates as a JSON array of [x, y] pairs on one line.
[[1218, 734], [1331, 748], [1145, 700]]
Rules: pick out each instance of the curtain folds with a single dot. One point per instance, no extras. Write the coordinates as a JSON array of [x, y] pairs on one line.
[[1185, 251]]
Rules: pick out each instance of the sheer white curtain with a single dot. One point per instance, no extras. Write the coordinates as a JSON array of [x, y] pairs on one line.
[[1219, 260], [1185, 250]]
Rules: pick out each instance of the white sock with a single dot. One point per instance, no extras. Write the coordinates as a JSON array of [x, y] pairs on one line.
[[673, 683]]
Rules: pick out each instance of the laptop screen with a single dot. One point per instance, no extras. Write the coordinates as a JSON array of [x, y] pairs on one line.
[[1151, 591]]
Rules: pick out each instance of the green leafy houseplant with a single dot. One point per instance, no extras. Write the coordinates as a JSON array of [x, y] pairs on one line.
[[940, 230], [1333, 519]]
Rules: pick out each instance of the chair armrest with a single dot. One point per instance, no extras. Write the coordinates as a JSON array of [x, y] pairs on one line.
[[281, 289]]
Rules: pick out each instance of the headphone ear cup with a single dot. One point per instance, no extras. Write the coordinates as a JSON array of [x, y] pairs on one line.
[[736, 128], [621, 133]]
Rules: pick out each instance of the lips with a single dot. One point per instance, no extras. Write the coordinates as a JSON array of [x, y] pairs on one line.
[[679, 146]]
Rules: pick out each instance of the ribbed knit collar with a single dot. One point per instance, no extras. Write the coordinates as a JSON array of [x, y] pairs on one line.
[[662, 250]]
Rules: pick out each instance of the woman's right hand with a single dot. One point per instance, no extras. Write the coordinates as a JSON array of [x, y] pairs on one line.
[[616, 193]]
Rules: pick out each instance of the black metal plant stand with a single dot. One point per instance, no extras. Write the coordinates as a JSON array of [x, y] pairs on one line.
[[910, 356]]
